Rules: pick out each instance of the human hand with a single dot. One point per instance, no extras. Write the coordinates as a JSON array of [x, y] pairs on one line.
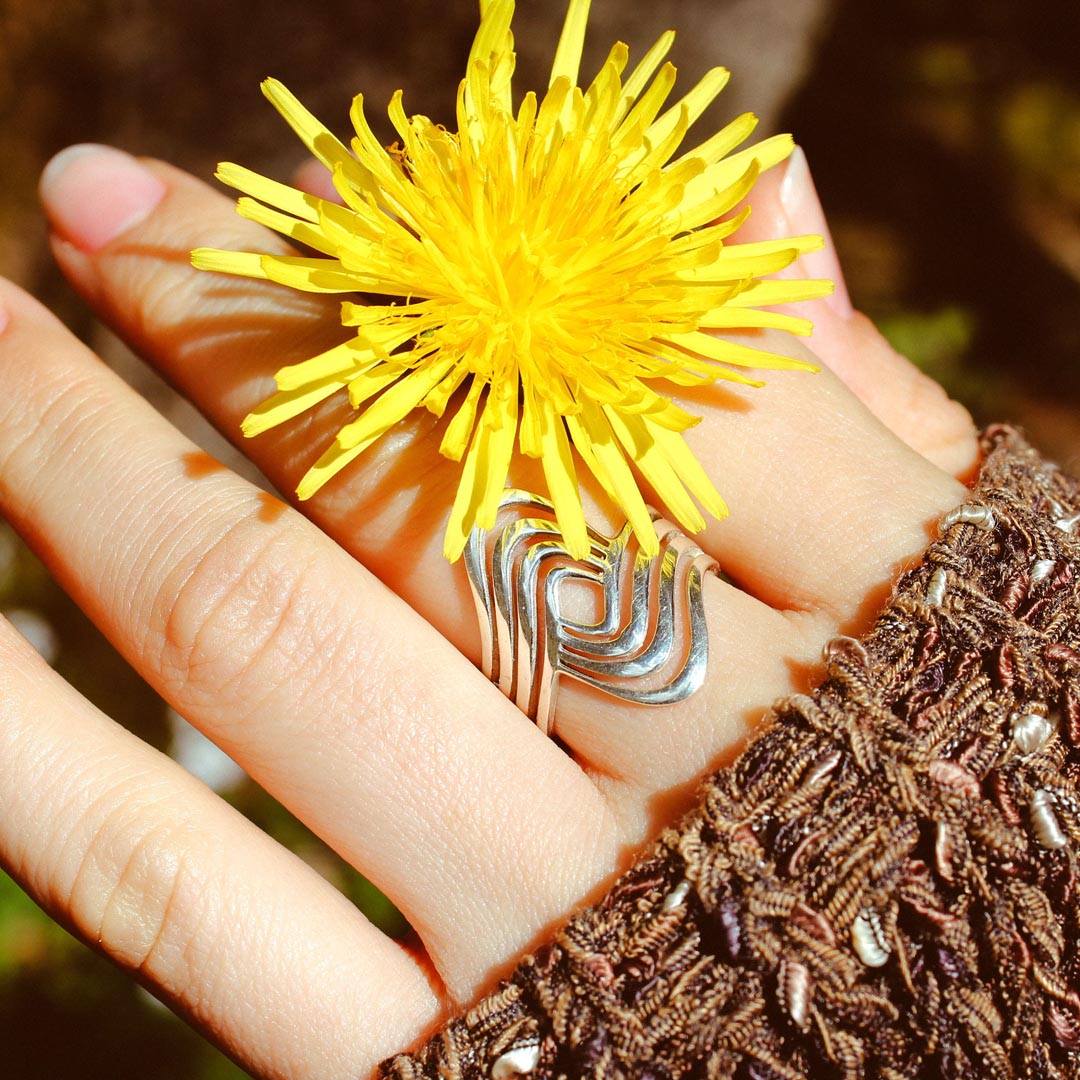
[[291, 646]]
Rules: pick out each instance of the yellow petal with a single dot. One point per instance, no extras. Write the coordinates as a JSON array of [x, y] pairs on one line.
[[735, 318], [567, 60], [483, 476], [731, 352], [768, 293], [594, 430], [326, 468], [688, 369], [437, 399], [640, 76], [297, 203], [690, 470], [653, 154], [530, 433], [392, 406], [459, 430], [355, 438], [367, 384], [707, 211], [366, 314], [311, 275], [315, 136], [801, 244], [501, 419], [341, 361], [695, 103], [724, 173], [241, 263], [302, 232], [603, 96], [635, 436], [562, 485], [733, 268], [286, 404], [722, 143], [646, 107]]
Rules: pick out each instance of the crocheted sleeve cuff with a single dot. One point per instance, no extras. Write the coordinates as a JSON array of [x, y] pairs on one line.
[[884, 882]]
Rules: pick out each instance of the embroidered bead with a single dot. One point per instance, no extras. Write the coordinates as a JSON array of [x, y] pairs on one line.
[[869, 940], [1030, 732], [935, 589], [1041, 569], [840, 648], [951, 775], [1067, 524], [982, 517], [822, 768], [945, 851], [1044, 820], [517, 1062], [795, 987], [677, 896]]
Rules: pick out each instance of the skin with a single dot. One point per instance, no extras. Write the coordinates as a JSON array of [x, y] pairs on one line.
[[332, 652]]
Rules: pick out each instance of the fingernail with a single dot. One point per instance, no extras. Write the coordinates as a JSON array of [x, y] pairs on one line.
[[93, 194], [801, 204]]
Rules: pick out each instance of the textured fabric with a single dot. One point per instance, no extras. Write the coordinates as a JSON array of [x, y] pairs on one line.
[[884, 884]]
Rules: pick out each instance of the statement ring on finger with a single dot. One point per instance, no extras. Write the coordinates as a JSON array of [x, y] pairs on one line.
[[649, 645]]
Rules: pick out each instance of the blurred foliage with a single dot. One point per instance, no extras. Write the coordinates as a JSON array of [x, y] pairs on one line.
[[64, 1011], [945, 141]]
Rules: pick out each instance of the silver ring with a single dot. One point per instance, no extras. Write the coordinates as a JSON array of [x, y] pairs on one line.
[[652, 618]]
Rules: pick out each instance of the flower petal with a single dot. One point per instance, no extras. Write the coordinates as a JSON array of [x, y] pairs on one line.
[[562, 484], [637, 440], [317, 138], [483, 476], [459, 430], [571, 41], [593, 436], [284, 405], [781, 291], [689, 470], [297, 203], [731, 352], [341, 361], [724, 173]]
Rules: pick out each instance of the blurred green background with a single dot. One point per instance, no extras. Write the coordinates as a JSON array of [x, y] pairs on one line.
[[945, 140]]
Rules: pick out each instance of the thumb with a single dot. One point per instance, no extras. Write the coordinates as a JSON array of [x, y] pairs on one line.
[[912, 405]]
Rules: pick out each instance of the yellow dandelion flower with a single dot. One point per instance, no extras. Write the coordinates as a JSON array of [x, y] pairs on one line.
[[548, 271]]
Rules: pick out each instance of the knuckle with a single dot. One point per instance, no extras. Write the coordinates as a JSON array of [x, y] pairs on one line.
[[242, 621], [945, 432], [135, 894], [46, 420], [160, 287]]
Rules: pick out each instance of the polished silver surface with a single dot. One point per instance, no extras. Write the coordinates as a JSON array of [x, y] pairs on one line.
[[650, 643]]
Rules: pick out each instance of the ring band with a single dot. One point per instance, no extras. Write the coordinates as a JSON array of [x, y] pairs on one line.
[[652, 617]]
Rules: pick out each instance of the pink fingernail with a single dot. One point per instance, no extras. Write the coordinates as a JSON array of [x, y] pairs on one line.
[[93, 194], [801, 204]]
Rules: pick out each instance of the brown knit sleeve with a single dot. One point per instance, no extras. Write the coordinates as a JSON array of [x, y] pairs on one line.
[[884, 884]]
